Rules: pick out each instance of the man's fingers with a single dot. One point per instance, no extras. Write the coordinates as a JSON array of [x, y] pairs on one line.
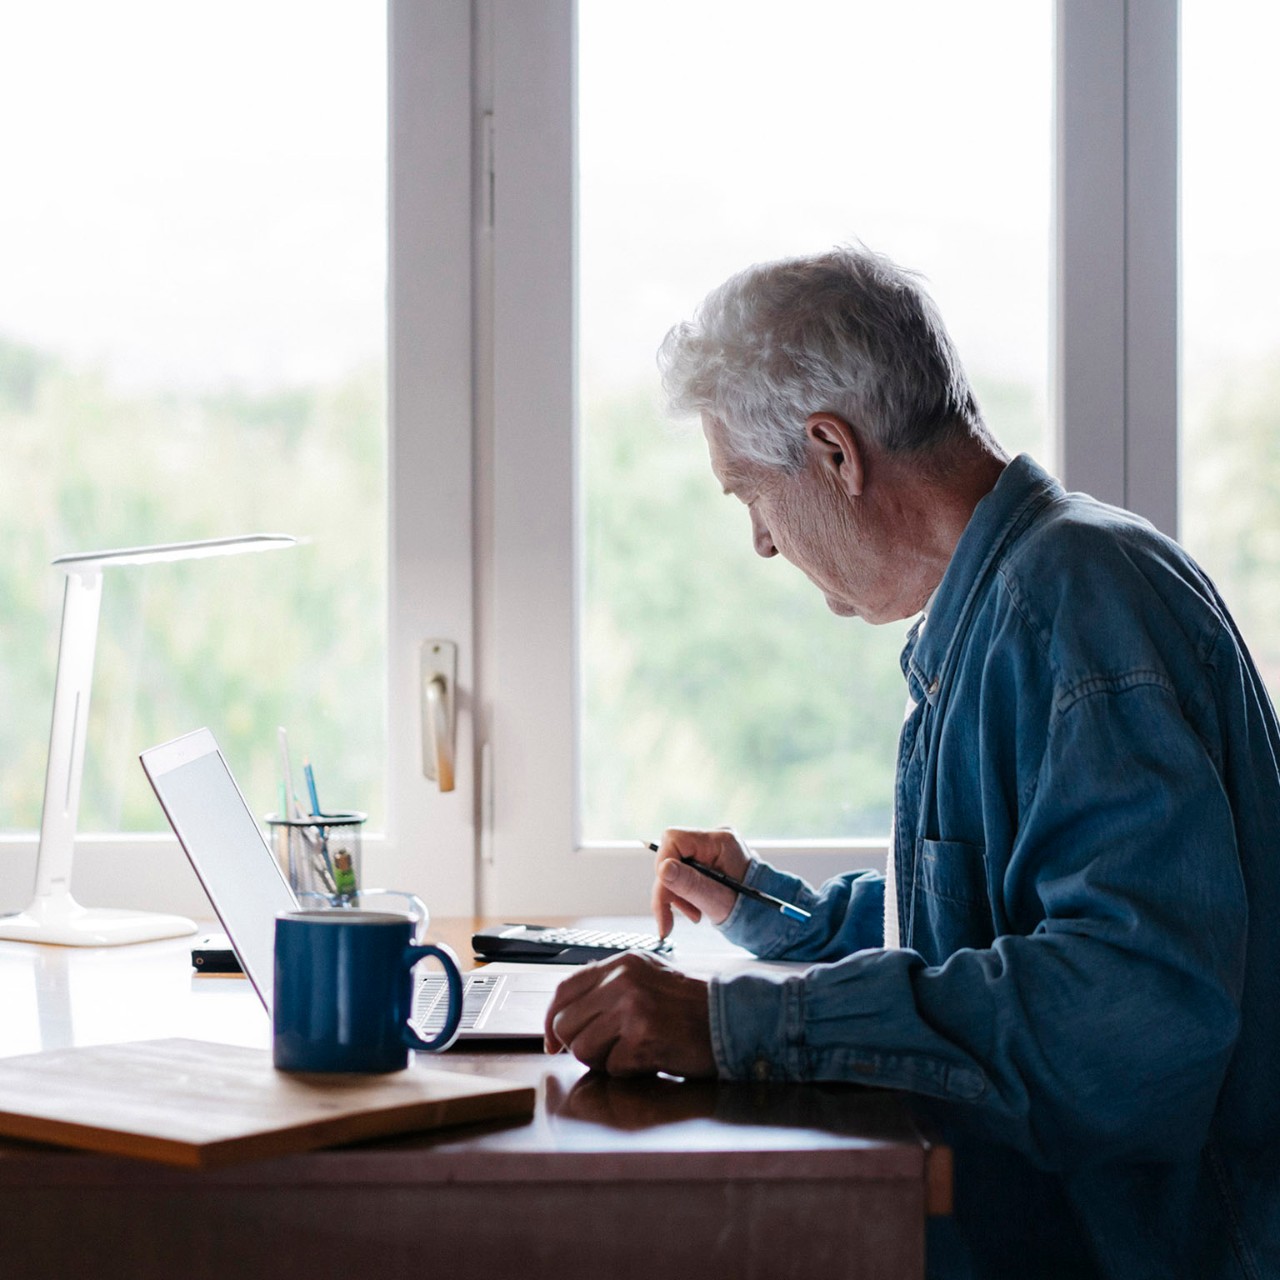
[[587, 1034], [633, 1014], [720, 848], [594, 1043], [580, 994], [695, 894], [564, 1021], [660, 904], [572, 991], [608, 1028], [588, 1027], [678, 886], [664, 900]]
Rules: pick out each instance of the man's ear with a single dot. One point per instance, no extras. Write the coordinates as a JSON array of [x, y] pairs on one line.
[[836, 446]]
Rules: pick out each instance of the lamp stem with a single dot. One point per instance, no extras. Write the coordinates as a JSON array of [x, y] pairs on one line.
[[54, 916], [76, 646]]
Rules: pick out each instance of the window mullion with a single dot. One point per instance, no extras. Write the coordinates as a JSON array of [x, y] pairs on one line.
[[430, 455], [1152, 261], [1116, 253]]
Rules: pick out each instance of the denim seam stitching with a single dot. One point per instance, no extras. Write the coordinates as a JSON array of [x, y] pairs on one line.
[[1140, 677], [1239, 1246]]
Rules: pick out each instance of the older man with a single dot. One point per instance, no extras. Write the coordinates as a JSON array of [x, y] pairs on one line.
[[1075, 957]]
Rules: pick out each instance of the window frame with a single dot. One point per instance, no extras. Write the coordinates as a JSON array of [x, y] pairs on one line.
[[1116, 323], [1114, 375], [428, 841], [481, 291]]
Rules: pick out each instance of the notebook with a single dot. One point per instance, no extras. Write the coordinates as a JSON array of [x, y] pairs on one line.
[[229, 854]]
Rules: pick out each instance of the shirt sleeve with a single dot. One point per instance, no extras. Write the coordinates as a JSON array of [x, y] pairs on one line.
[[846, 915], [1103, 1032]]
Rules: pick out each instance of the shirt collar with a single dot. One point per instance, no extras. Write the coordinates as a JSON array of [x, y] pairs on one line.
[[1023, 487]]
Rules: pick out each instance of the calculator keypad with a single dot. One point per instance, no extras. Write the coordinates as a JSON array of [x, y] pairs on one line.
[[562, 945], [597, 938]]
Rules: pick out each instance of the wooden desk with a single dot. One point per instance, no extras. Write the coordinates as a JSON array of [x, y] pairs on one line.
[[659, 1179]]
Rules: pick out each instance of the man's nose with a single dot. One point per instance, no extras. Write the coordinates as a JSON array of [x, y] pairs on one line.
[[763, 542]]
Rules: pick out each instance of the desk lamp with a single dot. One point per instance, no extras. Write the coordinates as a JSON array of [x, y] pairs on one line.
[[54, 915]]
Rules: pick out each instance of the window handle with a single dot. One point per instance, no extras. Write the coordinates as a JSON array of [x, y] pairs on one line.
[[439, 678]]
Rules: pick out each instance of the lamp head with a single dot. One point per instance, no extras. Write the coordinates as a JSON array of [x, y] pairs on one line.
[[89, 560]]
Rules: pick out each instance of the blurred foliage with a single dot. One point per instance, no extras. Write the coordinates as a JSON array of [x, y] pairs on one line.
[[717, 686], [1230, 497], [242, 644]]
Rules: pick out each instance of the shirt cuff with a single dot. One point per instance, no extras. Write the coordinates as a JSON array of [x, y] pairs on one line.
[[757, 1026], [761, 929]]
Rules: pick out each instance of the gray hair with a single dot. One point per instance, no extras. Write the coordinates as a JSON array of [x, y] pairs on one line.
[[845, 332]]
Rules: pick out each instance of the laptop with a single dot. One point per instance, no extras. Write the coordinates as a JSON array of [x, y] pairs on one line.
[[230, 855]]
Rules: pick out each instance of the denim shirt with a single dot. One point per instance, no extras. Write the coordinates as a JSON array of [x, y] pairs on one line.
[[1087, 862]]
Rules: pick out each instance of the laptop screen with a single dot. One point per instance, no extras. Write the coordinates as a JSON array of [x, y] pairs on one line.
[[225, 846]]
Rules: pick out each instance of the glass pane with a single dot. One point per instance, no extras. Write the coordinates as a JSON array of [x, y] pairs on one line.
[[192, 274], [1230, 445], [712, 135]]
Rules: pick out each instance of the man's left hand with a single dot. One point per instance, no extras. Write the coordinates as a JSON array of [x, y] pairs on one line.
[[633, 1015]]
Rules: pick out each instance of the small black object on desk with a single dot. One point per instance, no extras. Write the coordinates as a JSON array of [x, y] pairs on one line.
[[543, 944]]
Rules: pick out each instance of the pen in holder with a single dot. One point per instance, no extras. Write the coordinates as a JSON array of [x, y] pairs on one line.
[[320, 854]]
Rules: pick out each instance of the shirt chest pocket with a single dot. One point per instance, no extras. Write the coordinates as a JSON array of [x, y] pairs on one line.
[[949, 907]]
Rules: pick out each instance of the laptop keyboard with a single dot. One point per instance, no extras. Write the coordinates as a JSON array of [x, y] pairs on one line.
[[432, 1000]]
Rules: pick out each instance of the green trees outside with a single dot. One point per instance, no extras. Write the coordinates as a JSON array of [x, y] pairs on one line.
[[1231, 498], [716, 686], [719, 689], [244, 644]]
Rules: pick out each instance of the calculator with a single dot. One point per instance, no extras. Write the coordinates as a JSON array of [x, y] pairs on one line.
[[544, 944]]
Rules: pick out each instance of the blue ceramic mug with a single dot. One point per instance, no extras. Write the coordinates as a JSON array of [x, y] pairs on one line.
[[344, 991]]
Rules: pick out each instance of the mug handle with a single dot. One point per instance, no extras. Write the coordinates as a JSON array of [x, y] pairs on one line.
[[453, 1020]]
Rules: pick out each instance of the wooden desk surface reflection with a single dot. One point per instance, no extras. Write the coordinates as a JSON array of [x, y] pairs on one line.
[[610, 1179]]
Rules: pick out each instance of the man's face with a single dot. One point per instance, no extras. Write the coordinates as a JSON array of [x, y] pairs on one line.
[[808, 519]]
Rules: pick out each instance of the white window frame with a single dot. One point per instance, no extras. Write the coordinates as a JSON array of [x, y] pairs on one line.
[[1114, 375], [431, 835], [429, 838], [1116, 241], [482, 390]]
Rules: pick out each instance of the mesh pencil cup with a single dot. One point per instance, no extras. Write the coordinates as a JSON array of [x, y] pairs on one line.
[[320, 855]]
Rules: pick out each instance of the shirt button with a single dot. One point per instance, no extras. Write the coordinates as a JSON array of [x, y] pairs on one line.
[[933, 686], [760, 1069]]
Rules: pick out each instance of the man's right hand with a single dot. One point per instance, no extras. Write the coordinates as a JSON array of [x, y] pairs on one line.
[[689, 892]]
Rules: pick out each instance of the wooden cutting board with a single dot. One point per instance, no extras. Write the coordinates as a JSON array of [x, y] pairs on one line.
[[186, 1102]]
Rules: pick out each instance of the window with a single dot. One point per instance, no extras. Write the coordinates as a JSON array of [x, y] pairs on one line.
[[688, 169], [216, 313], [631, 255], [1230, 457], [715, 688], [192, 342], [523, 308]]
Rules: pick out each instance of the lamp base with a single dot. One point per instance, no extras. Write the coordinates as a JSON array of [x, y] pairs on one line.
[[61, 921]]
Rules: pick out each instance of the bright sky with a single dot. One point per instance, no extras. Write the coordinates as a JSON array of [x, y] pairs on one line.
[[1230, 179], [203, 187], [714, 134], [202, 191]]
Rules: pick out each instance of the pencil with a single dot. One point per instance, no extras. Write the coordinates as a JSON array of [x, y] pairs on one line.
[[788, 909]]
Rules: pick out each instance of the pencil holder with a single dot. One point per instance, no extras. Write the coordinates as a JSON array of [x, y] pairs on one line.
[[320, 855]]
